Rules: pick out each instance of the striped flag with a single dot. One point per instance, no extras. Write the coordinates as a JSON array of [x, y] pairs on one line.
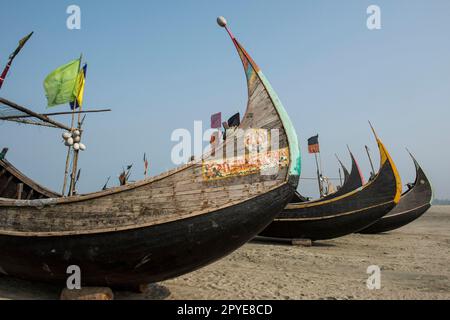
[[12, 56], [313, 144], [79, 89]]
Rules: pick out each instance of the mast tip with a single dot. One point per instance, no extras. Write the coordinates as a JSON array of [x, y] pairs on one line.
[[221, 21]]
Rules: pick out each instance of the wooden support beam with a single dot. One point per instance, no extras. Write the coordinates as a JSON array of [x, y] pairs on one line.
[[301, 242], [30, 194], [19, 191]]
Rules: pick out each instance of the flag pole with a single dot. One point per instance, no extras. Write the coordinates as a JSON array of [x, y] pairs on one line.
[[22, 43], [321, 173], [66, 172], [318, 176], [371, 163], [77, 152]]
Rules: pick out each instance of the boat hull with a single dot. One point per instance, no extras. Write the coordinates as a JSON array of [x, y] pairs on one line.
[[322, 220], [145, 255], [327, 228], [413, 204], [389, 223]]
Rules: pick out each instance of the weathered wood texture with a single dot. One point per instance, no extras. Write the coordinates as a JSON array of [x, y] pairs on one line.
[[157, 228], [10, 180], [178, 194]]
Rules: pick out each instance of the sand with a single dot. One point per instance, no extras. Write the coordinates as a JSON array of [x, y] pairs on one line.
[[414, 263]]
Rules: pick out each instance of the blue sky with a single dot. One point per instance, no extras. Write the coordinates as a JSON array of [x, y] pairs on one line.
[[160, 65]]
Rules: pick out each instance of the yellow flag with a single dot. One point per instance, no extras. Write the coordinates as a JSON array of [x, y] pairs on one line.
[[79, 88]]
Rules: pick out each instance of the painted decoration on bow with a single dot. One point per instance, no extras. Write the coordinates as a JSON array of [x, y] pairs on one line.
[[267, 163]]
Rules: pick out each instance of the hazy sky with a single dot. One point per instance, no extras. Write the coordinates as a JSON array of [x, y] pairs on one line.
[[160, 65]]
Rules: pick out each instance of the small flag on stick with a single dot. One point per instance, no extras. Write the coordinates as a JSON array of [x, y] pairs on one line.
[[216, 120], [3, 153], [79, 89], [313, 144], [12, 56], [145, 165], [235, 120], [61, 85]]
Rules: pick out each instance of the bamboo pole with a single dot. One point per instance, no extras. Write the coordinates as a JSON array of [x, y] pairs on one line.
[[66, 171], [34, 114], [53, 114], [318, 176]]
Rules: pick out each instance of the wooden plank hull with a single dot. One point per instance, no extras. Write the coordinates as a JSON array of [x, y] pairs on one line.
[[413, 204], [142, 255], [164, 226], [332, 218]]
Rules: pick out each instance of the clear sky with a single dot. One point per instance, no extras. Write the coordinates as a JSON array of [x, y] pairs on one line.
[[160, 65]]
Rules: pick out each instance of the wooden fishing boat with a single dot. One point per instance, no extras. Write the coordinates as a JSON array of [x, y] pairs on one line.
[[15, 185], [163, 226], [413, 204], [341, 215], [352, 181]]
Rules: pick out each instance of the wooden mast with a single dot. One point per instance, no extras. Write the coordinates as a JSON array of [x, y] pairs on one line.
[[76, 152], [318, 176], [66, 170]]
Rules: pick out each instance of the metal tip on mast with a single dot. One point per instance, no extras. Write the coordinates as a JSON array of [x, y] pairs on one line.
[[221, 21]]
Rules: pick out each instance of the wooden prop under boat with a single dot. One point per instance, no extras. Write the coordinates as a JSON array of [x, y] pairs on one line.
[[342, 215], [352, 181], [413, 204], [15, 185], [164, 226]]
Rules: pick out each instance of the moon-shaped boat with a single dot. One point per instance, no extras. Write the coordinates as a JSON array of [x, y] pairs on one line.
[[163, 226]]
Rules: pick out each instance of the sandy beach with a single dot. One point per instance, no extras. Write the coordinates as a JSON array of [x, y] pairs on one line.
[[414, 263]]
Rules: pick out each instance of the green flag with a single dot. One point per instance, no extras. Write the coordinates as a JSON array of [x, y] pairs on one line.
[[60, 85]]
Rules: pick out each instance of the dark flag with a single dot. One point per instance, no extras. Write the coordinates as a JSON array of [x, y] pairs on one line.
[[234, 121], [106, 184], [313, 144], [216, 120], [3, 153], [145, 165], [12, 56]]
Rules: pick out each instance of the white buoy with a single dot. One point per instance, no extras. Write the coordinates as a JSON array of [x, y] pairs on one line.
[[66, 135], [69, 141], [77, 139], [82, 147], [76, 133], [76, 146], [221, 21]]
